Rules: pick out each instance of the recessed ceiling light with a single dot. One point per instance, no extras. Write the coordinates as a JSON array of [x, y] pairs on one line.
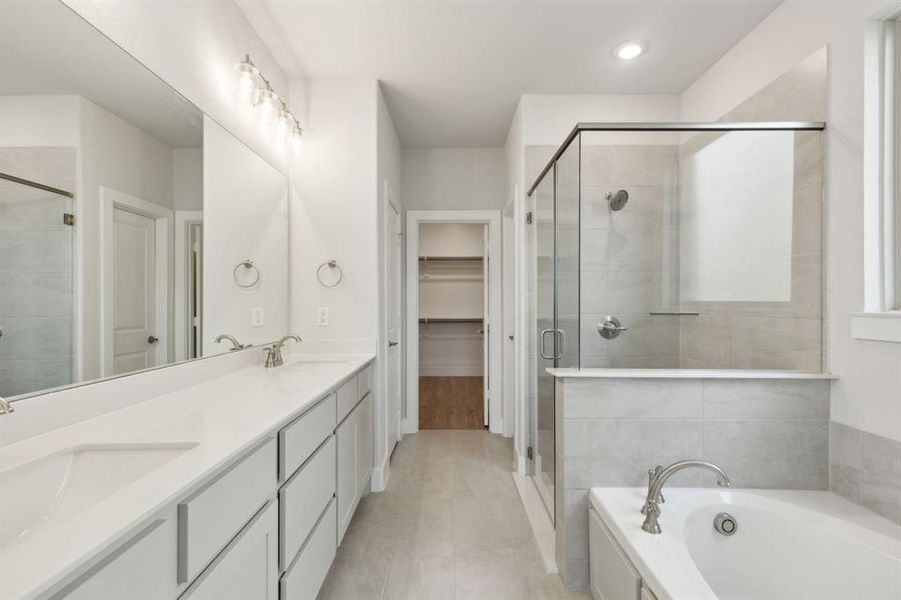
[[630, 50]]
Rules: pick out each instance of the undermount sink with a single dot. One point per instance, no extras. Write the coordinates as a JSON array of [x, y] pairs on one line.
[[54, 488]]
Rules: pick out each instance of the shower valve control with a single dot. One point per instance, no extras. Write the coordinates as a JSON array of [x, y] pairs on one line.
[[611, 328]]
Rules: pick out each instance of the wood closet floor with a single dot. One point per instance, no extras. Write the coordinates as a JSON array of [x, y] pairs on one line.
[[451, 403]]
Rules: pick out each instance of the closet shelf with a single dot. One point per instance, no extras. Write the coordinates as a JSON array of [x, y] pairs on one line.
[[440, 258], [430, 277], [449, 320]]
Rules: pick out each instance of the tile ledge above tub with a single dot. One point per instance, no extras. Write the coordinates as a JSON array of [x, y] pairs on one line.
[[877, 326], [683, 374]]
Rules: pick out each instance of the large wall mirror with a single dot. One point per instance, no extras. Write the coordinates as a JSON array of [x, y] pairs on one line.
[[134, 230]]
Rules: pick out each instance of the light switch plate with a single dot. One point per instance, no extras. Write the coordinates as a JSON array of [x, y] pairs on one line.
[[257, 317], [322, 316]]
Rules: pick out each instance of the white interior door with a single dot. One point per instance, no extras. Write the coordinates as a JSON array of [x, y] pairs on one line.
[[134, 291], [395, 245], [486, 328]]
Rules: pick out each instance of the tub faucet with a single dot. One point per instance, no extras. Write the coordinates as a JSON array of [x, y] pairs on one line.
[[651, 508], [5, 407], [274, 352]]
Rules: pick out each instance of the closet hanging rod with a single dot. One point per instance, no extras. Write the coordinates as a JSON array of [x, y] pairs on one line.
[[448, 320], [435, 258]]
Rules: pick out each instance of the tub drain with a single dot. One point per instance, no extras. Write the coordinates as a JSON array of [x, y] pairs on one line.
[[725, 523]]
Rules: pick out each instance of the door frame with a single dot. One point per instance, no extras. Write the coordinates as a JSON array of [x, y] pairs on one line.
[[110, 200], [184, 219], [495, 330]]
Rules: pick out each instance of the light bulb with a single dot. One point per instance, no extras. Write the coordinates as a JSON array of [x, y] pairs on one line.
[[296, 138], [268, 102], [246, 74], [281, 123]]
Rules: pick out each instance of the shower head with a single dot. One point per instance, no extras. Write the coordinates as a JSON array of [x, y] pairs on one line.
[[617, 200]]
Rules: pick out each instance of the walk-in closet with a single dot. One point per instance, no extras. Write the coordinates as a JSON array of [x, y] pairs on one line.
[[452, 301]]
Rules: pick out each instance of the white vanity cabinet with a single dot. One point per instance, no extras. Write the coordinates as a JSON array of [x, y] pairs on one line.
[[266, 527], [612, 575], [354, 436]]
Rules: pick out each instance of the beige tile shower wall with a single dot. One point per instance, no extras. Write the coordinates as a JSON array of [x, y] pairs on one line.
[[766, 433], [769, 335], [629, 258]]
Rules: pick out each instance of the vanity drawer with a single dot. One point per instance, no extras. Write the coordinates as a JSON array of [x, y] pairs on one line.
[[305, 576], [297, 441], [211, 516], [347, 398], [302, 500], [365, 381]]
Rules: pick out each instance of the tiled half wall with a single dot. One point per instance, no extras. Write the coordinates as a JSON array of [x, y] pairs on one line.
[[766, 433]]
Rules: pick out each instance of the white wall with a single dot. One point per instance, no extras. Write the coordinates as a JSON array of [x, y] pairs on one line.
[[453, 178], [334, 215], [194, 47], [187, 178], [866, 395]]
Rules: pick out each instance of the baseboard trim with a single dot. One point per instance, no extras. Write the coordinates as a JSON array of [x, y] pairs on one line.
[[542, 528]]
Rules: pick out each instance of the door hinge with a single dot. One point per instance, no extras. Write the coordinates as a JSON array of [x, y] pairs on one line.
[[68, 219], [529, 453], [529, 218]]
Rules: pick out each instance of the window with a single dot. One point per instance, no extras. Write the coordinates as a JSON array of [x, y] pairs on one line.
[[882, 185]]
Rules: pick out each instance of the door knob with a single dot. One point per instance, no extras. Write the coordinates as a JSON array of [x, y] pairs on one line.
[[152, 340], [392, 344]]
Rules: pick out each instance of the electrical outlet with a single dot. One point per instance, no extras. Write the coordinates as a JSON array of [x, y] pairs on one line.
[[322, 316], [257, 317]]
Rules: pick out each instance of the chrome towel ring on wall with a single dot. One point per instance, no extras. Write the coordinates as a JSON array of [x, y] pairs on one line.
[[338, 274], [251, 270]]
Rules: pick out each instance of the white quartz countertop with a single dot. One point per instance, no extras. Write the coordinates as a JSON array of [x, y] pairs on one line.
[[683, 374], [222, 418]]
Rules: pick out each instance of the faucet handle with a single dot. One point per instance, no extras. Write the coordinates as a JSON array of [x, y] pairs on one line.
[[653, 474]]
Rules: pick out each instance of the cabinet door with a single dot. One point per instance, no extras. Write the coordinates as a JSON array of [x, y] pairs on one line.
[[364, 444], [248, 567], [347, 491], [144, 565]]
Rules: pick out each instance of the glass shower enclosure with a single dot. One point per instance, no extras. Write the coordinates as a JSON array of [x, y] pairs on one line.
[[673, 246]]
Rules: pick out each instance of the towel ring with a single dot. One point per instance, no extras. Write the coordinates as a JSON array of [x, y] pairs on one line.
[[332, 264], [248, 265]]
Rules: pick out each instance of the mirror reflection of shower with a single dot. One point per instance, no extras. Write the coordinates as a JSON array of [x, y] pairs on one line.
[[617, 200]]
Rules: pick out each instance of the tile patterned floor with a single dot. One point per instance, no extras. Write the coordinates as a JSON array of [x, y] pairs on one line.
[[450, 525]]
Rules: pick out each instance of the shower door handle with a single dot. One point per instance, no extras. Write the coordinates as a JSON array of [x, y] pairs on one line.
[[562, 335], [541, 338]]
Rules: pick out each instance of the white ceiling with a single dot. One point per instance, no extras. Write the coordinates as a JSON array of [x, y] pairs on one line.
[[453, 70], [46, 48]]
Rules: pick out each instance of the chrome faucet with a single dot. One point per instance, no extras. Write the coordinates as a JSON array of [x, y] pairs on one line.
[[236, 345], [5, 407], [274, 352], [651, 507]]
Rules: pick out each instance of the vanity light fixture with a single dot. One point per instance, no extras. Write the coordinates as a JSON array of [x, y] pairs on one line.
[[259, 89], [630, 50]]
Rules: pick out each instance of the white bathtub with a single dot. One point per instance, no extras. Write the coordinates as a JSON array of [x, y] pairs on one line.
[[789, 545]]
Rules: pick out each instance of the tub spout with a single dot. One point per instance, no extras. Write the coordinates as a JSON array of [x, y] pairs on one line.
[[651, 507]]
